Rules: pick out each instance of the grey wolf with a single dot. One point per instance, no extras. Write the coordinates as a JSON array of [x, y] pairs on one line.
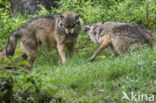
[[52, 31], [118, 37]]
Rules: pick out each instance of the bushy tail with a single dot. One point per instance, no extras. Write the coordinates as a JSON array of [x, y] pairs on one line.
[[148, 35], [12, 41]]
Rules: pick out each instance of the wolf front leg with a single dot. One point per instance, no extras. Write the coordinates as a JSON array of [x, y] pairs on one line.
[[70, 48], [31, 61], [61, 50], [32, 55], [104, 42]]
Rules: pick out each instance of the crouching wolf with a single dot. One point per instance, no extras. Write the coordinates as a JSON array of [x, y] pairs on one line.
[[118, 37], [52, 31]]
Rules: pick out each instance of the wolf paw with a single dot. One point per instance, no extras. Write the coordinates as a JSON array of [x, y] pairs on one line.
[[29, 67]]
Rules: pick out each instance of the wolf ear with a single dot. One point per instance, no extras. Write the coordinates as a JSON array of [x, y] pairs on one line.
[[61, 16], [97, 25], [77, 16]]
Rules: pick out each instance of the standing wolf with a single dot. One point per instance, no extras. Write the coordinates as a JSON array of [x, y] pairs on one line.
[[52, 31], [118, 37]]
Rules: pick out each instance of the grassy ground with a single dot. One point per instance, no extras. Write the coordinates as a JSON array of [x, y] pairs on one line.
[[101, 81]]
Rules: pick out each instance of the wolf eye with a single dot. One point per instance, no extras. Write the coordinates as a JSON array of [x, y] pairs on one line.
[[76, 23]]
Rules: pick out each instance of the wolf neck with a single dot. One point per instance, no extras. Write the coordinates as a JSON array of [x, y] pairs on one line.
[[98, 35], [96, 38], [58, 27]]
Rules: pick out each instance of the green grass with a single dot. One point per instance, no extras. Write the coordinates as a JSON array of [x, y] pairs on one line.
[[101, 81], [104, 79]]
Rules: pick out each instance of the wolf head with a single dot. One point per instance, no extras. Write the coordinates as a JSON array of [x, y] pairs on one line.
[[69, 21], [93, 31]]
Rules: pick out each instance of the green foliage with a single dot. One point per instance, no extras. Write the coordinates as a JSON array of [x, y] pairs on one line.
[[43, 11], [87, 11], [130, 11], [5, 3], [8, 25]]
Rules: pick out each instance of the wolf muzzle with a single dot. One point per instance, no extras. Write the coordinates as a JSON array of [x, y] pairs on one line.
[[69, 31]]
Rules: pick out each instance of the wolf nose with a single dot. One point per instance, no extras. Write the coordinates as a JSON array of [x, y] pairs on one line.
[[69, 33]]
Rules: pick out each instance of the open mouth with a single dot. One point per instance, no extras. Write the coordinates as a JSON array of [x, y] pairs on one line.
[[86, 29]]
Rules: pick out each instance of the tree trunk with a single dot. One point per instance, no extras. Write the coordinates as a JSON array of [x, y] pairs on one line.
[[30, 6]]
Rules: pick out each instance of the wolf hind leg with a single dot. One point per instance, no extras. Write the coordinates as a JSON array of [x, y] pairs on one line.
[[112, 50], [70, 48], [31, 61], [115, 54], [133, 47], [29, 48]]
